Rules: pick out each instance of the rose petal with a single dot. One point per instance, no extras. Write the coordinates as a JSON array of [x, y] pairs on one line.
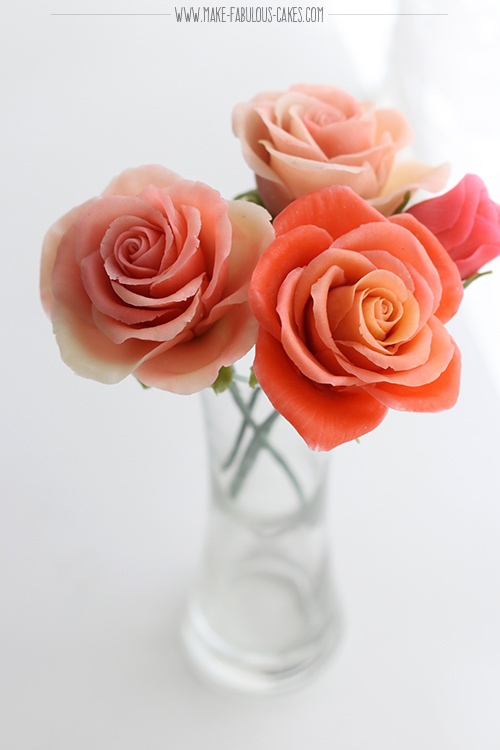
[[441, 393], [51, 243], [323, 416], [133, 181], [295, 248], [89, 352], [195, 364], [335, 209]]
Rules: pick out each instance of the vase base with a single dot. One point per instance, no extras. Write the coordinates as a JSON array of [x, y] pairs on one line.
[[264, 635]]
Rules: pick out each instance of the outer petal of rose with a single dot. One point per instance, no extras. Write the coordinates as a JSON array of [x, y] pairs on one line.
[[412, 176], [133, 181], [484, 232], [192, 366], [451, 215], [252, 233], [90, 353], [249, 127], [441, 394], [294, 249], [51, 243], [477, 260], [325, 417], [452, 293], [67, 284], [275, 196], [394, 122], [336, 209], [302, 176]]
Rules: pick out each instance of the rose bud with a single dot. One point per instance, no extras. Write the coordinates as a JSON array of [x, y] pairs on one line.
[[466, 221]]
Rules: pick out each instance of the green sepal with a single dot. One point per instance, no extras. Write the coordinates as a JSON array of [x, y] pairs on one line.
[[224, 379], [251, 196], [474, 277], [404, 203], [252, 381], [146, 387]]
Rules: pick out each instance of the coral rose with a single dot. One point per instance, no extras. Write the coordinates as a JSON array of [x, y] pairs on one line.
[[310, 137], [152, 279], [466, 221], [351, 307]]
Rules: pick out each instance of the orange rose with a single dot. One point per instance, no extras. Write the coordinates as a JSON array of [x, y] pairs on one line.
[[351, 307], [310, 137]]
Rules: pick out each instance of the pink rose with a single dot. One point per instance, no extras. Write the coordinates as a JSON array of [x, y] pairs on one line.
[[352, 309], [466, 221], [151, 279], [310, 137]]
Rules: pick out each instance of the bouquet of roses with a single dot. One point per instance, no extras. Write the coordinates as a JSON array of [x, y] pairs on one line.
[[342, 289]]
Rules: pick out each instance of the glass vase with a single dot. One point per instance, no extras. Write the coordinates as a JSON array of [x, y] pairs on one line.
[[263, 616]]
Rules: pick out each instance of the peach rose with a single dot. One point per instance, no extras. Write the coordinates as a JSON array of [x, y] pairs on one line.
[[351, 307], [151, 279], [310, 137], [466, 221]]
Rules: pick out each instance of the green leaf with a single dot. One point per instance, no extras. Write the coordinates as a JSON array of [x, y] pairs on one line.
[[475, 276], [251, 196], [224, 379], [252, 381], [403, 205]]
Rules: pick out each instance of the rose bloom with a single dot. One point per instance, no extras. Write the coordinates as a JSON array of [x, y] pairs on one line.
[[466, 221], [351, 307], [152, 279], [310, 137]]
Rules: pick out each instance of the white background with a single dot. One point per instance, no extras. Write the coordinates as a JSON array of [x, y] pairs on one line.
[[103, 488]]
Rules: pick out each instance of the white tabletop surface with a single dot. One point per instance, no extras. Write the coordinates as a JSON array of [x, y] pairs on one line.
[[103, 489]]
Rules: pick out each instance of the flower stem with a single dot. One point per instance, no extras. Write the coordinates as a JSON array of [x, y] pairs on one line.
[[243, 428], [474, 277], [258, 442]]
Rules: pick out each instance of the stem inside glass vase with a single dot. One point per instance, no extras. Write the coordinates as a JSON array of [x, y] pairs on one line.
[[263, 616]]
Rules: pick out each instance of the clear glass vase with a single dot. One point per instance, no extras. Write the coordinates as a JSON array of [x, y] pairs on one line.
[[263, 616]]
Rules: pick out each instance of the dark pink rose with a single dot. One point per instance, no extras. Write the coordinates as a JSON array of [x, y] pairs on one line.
[[466, 221]]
